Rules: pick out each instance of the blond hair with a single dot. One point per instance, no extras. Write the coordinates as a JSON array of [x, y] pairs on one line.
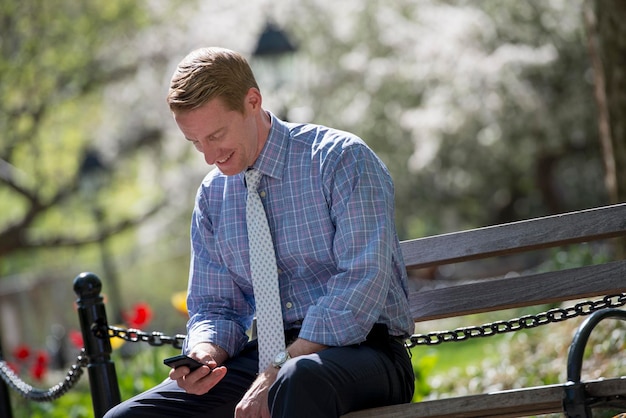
[[208, 73]]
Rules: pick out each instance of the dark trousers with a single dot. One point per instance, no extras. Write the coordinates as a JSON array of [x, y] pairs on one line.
[[330, 383]]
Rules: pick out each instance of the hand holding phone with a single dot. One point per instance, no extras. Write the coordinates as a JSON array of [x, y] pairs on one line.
[[183, 360]]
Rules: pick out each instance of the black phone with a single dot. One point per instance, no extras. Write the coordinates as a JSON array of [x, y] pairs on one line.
[[182, 360]]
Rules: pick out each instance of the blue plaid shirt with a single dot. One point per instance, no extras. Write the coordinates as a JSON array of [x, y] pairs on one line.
[[330, 207]]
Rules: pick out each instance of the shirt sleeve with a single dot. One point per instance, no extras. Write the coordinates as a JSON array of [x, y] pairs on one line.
[[218, 311], [360, 194]]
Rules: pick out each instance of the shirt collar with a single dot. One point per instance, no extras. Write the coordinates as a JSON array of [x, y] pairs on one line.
[[271, 161]]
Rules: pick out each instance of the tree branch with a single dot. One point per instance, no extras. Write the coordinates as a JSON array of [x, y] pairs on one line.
[[14, 240]]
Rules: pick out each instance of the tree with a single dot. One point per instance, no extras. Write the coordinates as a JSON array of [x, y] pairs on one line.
[[55, 59], [483, 110]]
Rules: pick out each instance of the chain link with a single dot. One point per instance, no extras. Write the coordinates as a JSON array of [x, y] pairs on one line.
[[154, 338], [524, 322], [44, 395]]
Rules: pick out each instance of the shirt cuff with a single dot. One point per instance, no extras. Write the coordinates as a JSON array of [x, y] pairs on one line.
[[225, 334]]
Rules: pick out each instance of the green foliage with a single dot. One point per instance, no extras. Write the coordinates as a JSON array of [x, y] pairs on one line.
[[55, 61], [74, 404], [576, 256], [142, 370], [423, 366], [135, 374], [532, 358]]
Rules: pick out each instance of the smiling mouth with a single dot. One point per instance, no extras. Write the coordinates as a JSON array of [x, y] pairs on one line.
[[222, 161]]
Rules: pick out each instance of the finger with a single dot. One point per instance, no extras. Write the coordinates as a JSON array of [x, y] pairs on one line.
[[179, 372], [202, 380]]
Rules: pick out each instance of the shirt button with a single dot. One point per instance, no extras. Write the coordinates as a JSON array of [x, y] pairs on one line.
[[289, 305], [262, 194]]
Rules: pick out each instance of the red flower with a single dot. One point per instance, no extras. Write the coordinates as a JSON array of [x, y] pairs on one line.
[[38, 363], [38, 371], [140, 315], [40, 366], [42, 358], [21, 352], [76, 338]]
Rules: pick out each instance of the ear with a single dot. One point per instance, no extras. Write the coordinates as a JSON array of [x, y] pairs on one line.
[[253, 100]]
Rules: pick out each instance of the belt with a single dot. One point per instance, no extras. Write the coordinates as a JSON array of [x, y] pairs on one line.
[[379, 332]]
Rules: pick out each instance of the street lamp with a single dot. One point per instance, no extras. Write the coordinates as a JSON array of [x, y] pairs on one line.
[[93, 176], [273, 41], [273, 60]]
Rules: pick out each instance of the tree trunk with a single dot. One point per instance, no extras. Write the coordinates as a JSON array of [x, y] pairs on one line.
[[610, 71], [606, 26]]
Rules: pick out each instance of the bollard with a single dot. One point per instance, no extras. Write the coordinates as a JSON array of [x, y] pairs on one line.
[[105, 392], [5, 401]]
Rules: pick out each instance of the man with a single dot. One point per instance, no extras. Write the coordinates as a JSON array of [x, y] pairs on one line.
[[328, 201]]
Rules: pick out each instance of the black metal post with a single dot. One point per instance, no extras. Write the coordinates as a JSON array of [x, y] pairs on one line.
[[575, 401], [5, 401], [105, 392]]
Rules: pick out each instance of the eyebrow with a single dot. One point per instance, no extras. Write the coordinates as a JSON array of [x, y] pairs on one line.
[[209, 136]]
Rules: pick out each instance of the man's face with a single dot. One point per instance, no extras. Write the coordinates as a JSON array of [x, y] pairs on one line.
[[228, 139]]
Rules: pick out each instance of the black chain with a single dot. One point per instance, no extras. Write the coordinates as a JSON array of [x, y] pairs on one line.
[[524, 322], [432, 338], [154, 338], [44, 395]]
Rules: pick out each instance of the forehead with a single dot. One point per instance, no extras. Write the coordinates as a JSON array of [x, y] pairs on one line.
[[204, 120]]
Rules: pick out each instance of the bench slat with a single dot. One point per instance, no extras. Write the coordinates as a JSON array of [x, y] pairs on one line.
[[505, 293], [515, 237], [511, 403]]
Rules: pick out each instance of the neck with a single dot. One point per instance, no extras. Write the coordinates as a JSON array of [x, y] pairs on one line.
[[264, 123]]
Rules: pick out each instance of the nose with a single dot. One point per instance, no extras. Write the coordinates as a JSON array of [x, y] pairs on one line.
[[210, 160], [209, 155]]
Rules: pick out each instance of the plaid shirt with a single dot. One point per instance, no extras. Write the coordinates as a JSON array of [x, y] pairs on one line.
[[330, 207]]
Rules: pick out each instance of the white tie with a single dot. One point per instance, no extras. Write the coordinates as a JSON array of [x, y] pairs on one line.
[[264, 272]]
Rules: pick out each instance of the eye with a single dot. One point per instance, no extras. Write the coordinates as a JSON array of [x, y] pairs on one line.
[[195, 143]]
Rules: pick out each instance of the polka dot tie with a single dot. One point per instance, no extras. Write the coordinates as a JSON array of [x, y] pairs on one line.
[[264, 272]]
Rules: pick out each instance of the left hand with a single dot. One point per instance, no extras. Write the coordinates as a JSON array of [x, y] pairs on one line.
[[254, 403]]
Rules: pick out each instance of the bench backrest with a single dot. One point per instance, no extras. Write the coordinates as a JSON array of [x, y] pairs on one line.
[[521, 289]]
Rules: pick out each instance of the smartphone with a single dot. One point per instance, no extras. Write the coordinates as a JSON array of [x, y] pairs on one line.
[[182, 360]]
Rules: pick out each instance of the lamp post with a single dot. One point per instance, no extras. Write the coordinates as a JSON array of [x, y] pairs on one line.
[[273, 60], [93, 176]]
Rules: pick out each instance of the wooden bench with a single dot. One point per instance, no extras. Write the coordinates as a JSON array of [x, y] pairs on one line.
[[459, 298]]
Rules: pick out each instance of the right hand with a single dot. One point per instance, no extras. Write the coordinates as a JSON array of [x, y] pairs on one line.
[[206, 377]]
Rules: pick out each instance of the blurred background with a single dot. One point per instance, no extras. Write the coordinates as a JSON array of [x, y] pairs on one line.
[[485, 111]]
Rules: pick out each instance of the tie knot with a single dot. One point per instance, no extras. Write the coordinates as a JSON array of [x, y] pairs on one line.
[[253, 177]]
